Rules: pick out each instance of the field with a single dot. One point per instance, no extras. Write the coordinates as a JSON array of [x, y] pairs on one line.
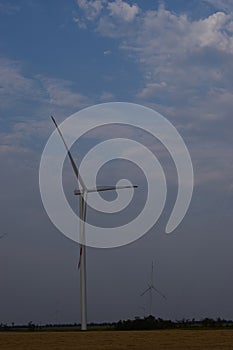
[[113, 340]]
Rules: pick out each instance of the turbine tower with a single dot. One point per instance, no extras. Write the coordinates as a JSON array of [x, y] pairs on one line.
[[150, 289], [82, 193]]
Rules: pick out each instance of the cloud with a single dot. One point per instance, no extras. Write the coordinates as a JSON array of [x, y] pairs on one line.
[[81, 23], [107, 16], [62, 94], [17, 89], [189, 57], [185, 67], [151, 89], [211, 32], [124, 11], [106, 96], [107, 52], [118, 9], [91, 8], [181, 59], [162, 34], [14, 84], [8, 9], [26, 105], [226, 5], [166, 45]]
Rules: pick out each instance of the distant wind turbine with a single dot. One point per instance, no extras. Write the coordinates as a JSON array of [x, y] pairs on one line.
[[82, 192], [150, 289]]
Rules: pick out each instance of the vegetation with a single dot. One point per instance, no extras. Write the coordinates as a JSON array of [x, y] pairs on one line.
[[146, 323], [149, 323]]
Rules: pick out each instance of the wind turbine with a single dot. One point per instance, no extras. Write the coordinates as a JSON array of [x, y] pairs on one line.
[[152, 288], [82, 192]]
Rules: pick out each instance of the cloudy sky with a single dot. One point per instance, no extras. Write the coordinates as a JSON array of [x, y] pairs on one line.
[[172, 56]]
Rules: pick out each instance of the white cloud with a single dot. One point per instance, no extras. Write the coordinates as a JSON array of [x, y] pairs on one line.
[[184, 63], [91, 8], [118, 9], [107, 52], [106, 96], [211, 32], [162, 33], [61, 94], [151, 89], [7, 8], [226, 5], [81, 23], [181, 54], [16, 87], [158, 38], [123, 10]]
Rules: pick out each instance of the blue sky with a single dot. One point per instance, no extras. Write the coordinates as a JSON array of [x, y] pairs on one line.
[[59, 57]]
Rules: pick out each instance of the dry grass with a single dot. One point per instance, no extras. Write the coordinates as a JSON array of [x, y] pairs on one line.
[[110, 340]]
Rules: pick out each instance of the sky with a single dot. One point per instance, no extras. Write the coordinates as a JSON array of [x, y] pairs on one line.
[[57, 58]]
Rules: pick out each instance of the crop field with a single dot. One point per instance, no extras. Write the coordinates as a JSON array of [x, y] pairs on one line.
[[113, 340]]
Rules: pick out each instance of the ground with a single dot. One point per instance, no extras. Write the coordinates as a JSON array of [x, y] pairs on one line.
[[119, 340]]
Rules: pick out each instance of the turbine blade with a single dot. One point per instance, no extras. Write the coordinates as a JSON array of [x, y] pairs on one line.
[[145, 291], [110, 188], [84, 207], [75, 168], [82, 213], [80, 256], [157, 291]]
